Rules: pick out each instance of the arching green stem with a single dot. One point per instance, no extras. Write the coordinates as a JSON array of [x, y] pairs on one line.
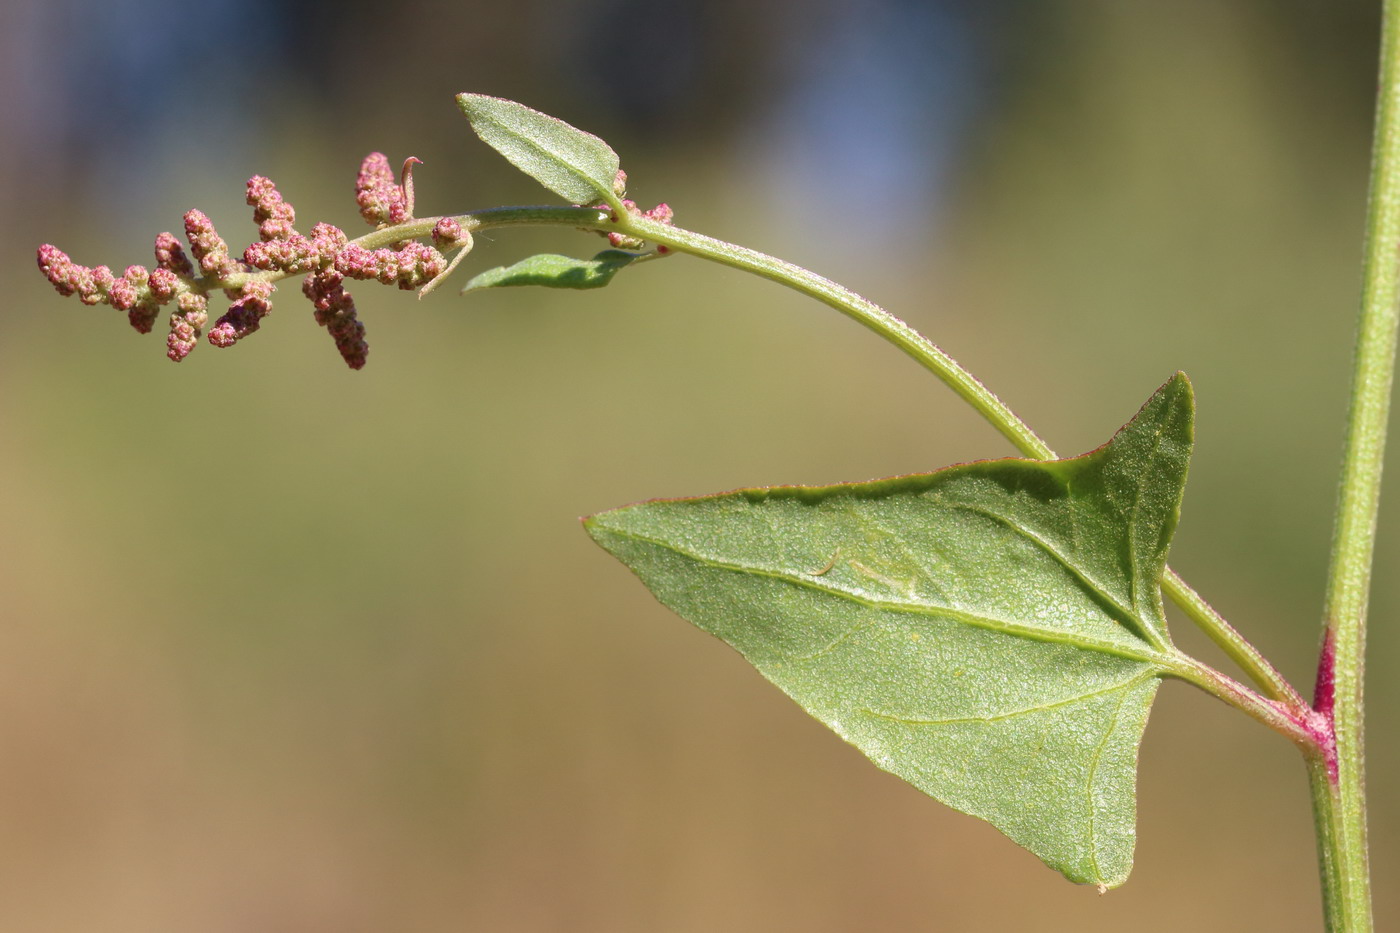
[[993, 409]]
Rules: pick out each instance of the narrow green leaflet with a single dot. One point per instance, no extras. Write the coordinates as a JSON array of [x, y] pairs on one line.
[[992, 632], [575, 165], [554, 271]]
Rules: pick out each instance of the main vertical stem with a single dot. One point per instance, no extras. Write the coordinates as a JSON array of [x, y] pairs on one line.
[[1339, 797]]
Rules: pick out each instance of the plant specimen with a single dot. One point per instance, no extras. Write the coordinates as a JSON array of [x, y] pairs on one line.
[[992, 632]]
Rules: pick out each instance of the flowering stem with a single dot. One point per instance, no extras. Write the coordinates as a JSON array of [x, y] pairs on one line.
[[1280, 707]]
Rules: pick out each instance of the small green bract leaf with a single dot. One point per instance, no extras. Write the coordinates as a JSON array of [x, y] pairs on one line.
[[575, 165], [554, 271], [992, 632]]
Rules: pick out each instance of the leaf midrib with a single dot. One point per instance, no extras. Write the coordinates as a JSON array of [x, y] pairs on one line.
[[566, 160], [976, 620]]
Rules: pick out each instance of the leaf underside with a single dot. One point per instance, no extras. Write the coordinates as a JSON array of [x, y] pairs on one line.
[[554, 271], [575, 165], [992, 633]]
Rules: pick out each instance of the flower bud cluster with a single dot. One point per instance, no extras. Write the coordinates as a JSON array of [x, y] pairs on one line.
[[132, 292], [326, 258], [274, 216], [296, 253], [448, 234], [661, 213], [411, 265], [170, 255], [210, 250], [186, 325], [382, 200], [244, 315]]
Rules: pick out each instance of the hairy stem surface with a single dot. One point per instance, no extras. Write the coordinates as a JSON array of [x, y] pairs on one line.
[[1339, 797]]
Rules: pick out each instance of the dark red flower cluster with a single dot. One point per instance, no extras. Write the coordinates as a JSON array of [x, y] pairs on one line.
[[335, 311]]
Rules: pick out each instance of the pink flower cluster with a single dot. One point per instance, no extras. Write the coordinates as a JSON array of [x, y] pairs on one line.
[[326, 257], [661, 213], [296, 253], [411, 265], [382, 200], [186, 324], [210, 250], [137, 292], [448, 234]]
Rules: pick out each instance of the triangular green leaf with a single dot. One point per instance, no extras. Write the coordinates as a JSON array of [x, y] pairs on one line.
[[554, 271], [992, 632], [575, 165]]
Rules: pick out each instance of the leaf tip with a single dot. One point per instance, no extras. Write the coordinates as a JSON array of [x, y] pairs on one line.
[[468, 102], [597, 527], [1183, 390]]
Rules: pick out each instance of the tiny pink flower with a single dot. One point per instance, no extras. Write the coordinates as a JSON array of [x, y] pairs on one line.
[[163, 284], [356, 262], [448, 233], [143, 316], [126, 291], [95, 285], [328, 240], [661, 213]]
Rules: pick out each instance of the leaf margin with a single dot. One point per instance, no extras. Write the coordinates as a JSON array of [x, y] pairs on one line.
[[1176, 401]]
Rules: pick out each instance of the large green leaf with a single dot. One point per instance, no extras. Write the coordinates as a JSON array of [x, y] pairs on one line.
[[992, 632], [575, 165], [554, 271]]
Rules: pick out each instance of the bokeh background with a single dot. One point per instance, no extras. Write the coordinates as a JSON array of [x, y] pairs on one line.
[[287, 647]]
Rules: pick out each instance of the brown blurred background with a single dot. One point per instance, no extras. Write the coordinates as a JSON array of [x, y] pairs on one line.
[[292, 648]]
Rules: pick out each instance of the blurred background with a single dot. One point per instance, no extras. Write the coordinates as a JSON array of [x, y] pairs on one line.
[[288, 647]]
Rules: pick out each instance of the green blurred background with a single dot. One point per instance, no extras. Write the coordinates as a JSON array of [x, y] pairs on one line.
[[292, 648]]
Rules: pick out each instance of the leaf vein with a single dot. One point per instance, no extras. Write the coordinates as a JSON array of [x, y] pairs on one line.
[[1089, 783], [1012, 714], [1082, 575], [840, 639]]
